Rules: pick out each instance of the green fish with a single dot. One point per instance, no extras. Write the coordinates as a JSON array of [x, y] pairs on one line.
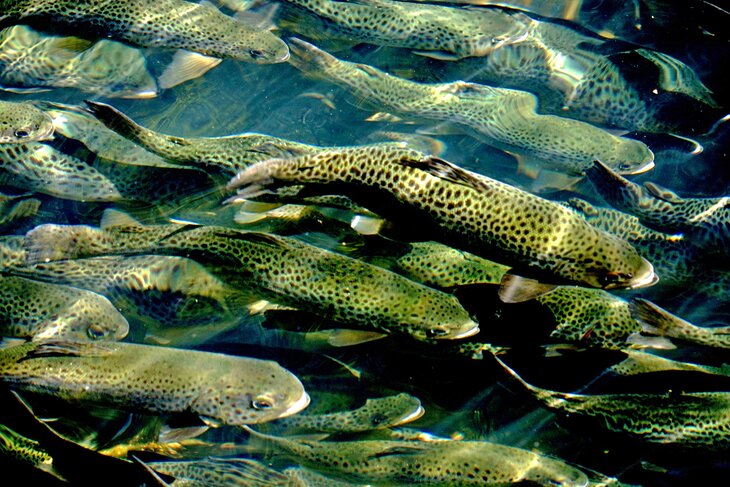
[[500, 117], [433, 463], [440, 201], [377, 413], [220, 471], [219, 388], [43, 311], [32, 62], [461, 32], [171, 24], [23, 122], [284, 270], [705, 222], [687, 419], [24, 450], [14, 208], [638, 362]]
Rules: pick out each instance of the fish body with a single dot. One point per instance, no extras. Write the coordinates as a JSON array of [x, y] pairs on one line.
[[465, 210], [31, 61], [42, 311], [222, 388], [638, 362], [433, 463], [433, 30], [173, 24], [383, 412], [14, 208], [287, 272], [22, 449], [22, 122], [703, 221], [693, 420], [503, 118]]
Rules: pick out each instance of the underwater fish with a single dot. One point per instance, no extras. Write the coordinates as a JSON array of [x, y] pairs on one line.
[[687, 419], [18, 447], [436, 463], [23, 122], [502, 118], [440, 201], [638, 362], [220, 471], [173, 24], [16, 207], [219, 388], [435, 31], [704, 222], [284, 270], [42, 311], [382, 412], [32, 62]]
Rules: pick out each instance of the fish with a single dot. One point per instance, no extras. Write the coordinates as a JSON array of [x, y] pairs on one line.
[[31, 61], [170, 24], [502, 118], [220, 471], [220, 389], [639, 362], [16, 207], [462, 32], [43, 311], [443, 202], [24, 450], [413, 462], [338, 288], [377, 413], [686, 419], [23, 122], [705, 222]]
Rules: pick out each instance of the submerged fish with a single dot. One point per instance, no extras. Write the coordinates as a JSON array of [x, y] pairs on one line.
[[688, 419], [638, 362], [220, 388], [284, 270], [31, 62], [174, 24], [14, 208], [503, 118], [42, 311], [22, 122], [383, 412], [435, 31], [431, 196], [705, 222], [18, 447], [433, 463]]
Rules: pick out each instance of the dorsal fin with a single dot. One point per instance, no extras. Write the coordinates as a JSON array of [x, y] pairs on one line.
[[443, 169], [662, 193], [517, 289], [114, 218]]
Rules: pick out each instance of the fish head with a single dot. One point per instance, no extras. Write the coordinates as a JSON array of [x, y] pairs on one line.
[[629, 157], [271, 393], [23, 122], [448, 330], [636, 275]]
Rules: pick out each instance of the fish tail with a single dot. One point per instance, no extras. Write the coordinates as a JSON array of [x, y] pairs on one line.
[[540, 393], [618, 191]]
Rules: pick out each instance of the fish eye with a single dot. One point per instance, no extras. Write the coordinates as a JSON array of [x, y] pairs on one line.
[[262, 403], [614, 278], [436, 332], [624, 166], [256, 54], [95, 332], [21, 134]]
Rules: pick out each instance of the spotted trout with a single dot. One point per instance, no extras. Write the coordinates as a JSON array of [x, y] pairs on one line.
[[283, 270], [503, 118], [443, 202], [219, 388], [174, 24]]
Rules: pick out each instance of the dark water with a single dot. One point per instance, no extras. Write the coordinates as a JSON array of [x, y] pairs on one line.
[[474, 399]]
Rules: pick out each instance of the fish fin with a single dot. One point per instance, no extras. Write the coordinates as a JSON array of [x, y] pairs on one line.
[[211, 422], [246, 218], [548, 180], [176, 435], [517, 289], [156, 476], [384, 117], [662, 193], [527, 166], [637, 340], [343, 337], [114, 120], [72, 44], [114, 218], [186, 65], [262, 306], [443, 128], [582, 206], [367, 225], [438, 55], [24, 91], [262, 18], [259, 206], [69, 349], [7, 342], [443, 169], [400, 450], [656, 320]]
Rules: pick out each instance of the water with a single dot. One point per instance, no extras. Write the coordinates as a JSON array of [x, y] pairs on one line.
[[473, 399]]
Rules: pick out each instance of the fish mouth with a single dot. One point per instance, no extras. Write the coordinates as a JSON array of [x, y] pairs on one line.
[[300, 404], [468, 333], [648, 279], [645, 168], [411, 417]]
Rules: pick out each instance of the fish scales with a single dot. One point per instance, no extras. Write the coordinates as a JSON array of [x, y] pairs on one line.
[[228, 389], [23, 123], [337, 287], [174, 24], [500, 117], [470, 212]]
